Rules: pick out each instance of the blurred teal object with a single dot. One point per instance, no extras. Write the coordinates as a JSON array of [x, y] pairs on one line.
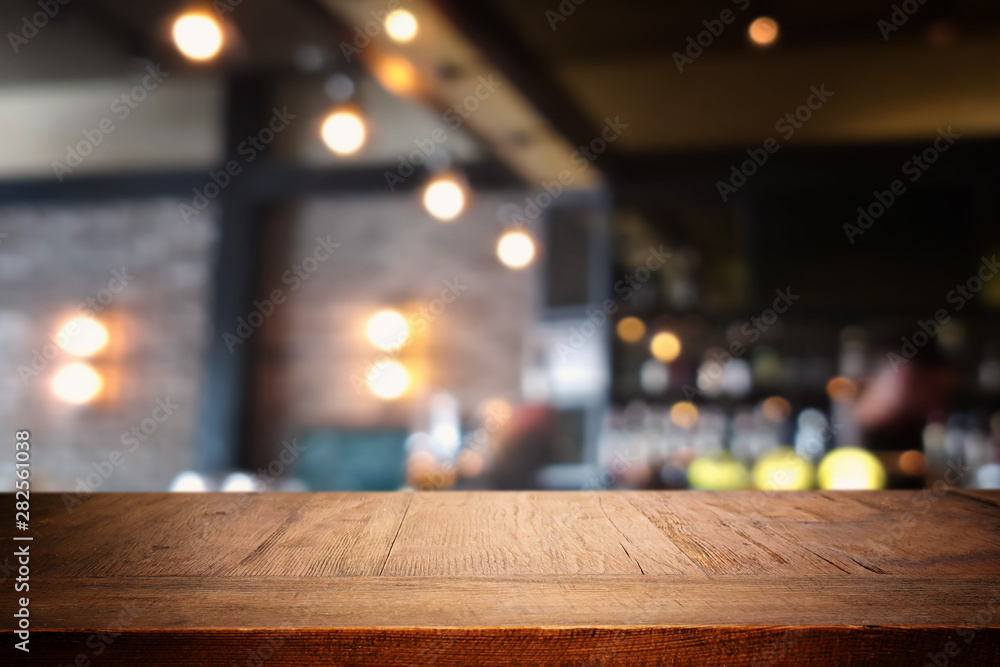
[[353, 460]]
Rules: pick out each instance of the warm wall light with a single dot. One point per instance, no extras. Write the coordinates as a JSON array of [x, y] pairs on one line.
[[401, 25], [665, 346], [389, 380], [444, 198], [197, 36], [77, 383], [515, 249], [387, 330], [82, 336], [343, 132], [763, 31]]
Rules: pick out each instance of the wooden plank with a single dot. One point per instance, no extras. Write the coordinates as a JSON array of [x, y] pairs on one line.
[[842, 533], [543, 647], [523, 533], [209, 603], [216, 534], [645, 578]]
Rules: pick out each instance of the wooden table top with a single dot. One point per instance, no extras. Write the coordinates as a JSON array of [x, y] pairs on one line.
[[533, 578]]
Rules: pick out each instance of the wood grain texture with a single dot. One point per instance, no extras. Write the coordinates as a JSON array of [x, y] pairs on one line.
[[532, 578]]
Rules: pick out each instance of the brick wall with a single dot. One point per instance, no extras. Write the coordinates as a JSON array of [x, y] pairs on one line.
[[313, 352], [51, 260]]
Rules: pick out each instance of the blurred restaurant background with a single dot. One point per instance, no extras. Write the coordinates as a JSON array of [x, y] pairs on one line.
[[505, 244]]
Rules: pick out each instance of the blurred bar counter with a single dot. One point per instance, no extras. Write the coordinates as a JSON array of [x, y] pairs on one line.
[[532, 578]]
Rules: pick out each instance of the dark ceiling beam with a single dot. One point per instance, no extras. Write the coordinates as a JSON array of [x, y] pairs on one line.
[[490, 32], [272, 183]]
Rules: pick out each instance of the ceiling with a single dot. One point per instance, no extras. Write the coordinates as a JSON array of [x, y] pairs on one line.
[[615, 58]]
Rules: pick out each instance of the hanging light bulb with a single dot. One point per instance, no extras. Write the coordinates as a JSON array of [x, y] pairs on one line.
[[343, 132], [197, 35], [444, 198], [516, 249], [763, 31], [401, 25]]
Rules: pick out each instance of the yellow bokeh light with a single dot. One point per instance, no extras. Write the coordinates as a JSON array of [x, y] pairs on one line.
[[665, 346], [197, 36], [763, 31], [631, 329], [851, 468], [684, 414], [396, 74], [516, 249], [77, 383], [718, 473], [444, 198], [401, 25], [343, 132], [387, 330], [82, 337], [389, 380], [782, 469]]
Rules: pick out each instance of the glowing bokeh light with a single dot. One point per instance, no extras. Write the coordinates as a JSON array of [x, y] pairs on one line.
[[782, 469], [197, 36], [665, 346], [684, 414], [82, 336], [389, 380], [516, 249], [343, 132], [387, 330], [851, 468], [444, 199], [77, 383], [401, 25], [630, 329], [763, 31]]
